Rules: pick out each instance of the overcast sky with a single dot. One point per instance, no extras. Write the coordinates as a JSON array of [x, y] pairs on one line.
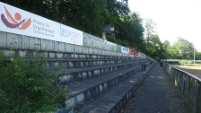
[[174, 18]]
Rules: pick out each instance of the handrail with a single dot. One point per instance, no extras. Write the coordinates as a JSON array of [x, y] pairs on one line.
[[193, 76]]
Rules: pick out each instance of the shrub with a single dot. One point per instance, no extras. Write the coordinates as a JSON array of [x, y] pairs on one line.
[[185, 62], [190, 62], [26, 87]]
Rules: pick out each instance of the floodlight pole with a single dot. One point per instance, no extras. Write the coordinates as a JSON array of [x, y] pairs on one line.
[[194, 55]]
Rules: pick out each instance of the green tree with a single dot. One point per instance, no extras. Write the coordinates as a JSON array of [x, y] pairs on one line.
[[149, 26], [155, 47], [149, 29], [131, 30], [198, 56], [166, 44], [45, 8], [114, 10], [183, 48], [171, 52], [86, 16], [166, 47]]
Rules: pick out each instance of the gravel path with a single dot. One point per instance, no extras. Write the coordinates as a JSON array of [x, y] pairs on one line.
[[157, 94]]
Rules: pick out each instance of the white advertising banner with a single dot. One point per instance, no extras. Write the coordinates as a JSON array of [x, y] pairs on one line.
[[18, 21], [124, 50], [71, 35]]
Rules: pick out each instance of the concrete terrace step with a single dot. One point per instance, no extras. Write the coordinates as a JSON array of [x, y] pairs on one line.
[[76, 70], [77, 74], [29, 53], [94, 68], [77, 59], [115, 98], [89, 89], [79, 63], [76, 87], [107, 101]]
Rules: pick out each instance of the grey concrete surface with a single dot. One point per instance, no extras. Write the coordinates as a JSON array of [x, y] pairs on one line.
[[157, 94], [79, 86], [105, 102]]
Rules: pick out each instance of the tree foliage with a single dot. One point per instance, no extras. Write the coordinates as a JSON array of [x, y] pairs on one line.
[[155, 47], [198, 56], [181, 49], [184, 48], [130, 29], [166, 44], [149, 29]]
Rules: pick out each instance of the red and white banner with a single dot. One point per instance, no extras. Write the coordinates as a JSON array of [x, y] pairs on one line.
[[131, 51]]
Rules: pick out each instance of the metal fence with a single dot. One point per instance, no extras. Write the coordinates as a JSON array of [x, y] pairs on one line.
[[189, 84]]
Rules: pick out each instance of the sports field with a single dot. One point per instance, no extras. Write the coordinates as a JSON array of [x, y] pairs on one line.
[[193, 69]]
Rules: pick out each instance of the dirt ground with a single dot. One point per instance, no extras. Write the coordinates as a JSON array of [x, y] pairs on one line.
[[194, 69]]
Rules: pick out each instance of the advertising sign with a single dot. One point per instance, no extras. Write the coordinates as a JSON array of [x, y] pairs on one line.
[[125, 50], [71, 35], [136, 53], [15, 20], [18, 21], [92, 41], [110, 46], [118, 48], [131, 51]]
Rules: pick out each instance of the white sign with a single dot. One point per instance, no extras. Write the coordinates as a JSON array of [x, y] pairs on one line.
[[124, 50], [71, 35], [18, 21]]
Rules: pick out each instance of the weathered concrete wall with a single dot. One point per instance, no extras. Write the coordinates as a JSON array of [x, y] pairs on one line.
[[10, 41]]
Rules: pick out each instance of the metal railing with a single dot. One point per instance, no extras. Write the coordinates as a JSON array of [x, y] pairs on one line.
[[189, 84]]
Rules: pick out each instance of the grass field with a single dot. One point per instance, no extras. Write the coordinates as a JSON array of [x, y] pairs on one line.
[[193, 69]]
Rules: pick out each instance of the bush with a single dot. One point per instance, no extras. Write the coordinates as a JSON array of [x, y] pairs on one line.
[[174, 63], [190, 62], [186, 62], [26, 87]]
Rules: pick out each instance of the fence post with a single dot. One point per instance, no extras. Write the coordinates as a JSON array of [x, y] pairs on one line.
[[198, 98], [183, 83]]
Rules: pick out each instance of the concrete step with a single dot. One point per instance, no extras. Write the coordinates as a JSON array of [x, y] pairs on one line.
[[114, 99], [29, 53], [89, 89], [77, 74], [79, 63]]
